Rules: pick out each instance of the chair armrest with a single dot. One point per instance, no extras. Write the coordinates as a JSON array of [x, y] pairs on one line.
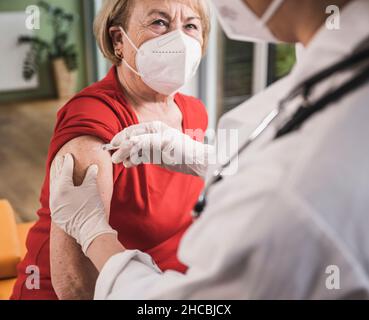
[[10, 250]]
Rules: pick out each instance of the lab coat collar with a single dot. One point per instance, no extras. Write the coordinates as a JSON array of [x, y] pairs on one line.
[[331, 46]]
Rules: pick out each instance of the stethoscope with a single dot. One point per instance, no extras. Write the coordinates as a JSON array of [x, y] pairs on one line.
[[303, 113]]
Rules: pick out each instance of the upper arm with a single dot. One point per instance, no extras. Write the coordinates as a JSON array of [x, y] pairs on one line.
[[86, 151], [83, 125]]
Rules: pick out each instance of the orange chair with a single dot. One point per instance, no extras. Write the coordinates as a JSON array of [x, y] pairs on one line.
[[12, 247]]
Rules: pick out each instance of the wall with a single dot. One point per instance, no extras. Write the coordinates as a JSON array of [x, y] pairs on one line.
[[47, 87]]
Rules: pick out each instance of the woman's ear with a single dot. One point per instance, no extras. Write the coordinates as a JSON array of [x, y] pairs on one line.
[[116, 37]]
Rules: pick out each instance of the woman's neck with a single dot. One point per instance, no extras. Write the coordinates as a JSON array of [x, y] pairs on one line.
[[137, 93], [148, 105]]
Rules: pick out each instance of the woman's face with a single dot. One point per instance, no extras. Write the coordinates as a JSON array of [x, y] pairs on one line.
[[152, 18]]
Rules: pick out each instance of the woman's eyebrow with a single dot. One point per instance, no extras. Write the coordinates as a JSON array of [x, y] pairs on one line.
[[167, 16], [193, 18], [160, 13]]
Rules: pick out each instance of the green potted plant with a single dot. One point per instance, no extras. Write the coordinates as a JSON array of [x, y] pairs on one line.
[[59, 51]]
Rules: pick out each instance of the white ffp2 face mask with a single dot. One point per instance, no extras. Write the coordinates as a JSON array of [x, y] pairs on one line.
[[240, 23], [168, 62]]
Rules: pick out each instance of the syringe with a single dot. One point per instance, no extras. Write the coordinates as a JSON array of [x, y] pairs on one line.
[[109, 147]]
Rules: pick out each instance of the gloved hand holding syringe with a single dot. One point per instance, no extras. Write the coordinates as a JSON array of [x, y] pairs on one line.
[[177, 151]]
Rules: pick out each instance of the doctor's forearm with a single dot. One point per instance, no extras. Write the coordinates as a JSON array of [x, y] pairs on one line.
[[102, 249]]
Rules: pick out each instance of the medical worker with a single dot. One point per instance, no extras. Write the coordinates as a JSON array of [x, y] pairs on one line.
[[292, 223]]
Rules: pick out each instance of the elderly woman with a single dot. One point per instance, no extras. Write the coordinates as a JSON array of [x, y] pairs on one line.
[[155, 46]]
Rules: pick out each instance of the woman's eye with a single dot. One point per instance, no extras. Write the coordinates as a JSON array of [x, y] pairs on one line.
[[160, 23], [191, 26]]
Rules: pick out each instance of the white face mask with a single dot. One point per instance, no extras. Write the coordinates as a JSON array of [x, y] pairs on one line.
[[240, 23], [168, 62]]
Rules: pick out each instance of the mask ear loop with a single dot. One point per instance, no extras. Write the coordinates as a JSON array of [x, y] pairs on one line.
[[269, 13], [134, 47]]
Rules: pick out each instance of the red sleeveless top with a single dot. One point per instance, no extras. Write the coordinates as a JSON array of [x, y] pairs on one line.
[[151, 206]]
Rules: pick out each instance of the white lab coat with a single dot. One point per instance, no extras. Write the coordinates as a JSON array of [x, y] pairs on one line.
[[297, 209]]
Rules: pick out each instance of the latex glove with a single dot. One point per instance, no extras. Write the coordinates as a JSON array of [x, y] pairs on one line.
[[157, 143], [78, 211]]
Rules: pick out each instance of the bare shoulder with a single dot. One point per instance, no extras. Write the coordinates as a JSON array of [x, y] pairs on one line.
[[86, 151]]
